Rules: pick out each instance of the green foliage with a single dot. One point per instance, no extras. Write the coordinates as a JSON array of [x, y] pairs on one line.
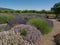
[[57, 39], [19, 44], [5, 18], [56, 9], [6, 10], [23, 32], [43, 11], [3, 28], [17, 11], [41, 25]]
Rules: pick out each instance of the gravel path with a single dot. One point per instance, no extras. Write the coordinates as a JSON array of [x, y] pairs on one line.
[[48, 39]]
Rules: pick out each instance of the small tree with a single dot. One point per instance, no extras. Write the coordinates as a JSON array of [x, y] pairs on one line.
[[56, 9], [6, 11], [11, 11], [18, 11], [43, 11], [0, 11]]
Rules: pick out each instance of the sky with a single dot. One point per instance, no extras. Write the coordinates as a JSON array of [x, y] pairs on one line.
[[28, 4]]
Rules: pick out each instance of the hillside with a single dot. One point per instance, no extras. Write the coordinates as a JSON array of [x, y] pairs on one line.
[[5, 8]]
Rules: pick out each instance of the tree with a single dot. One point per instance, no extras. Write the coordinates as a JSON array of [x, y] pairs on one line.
[[11, 11], [24, 11], [43, 11], [18, 11], [56, 9], [6, 11], [0, 11]]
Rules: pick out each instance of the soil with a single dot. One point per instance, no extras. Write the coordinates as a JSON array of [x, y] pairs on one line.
[[48, 39]]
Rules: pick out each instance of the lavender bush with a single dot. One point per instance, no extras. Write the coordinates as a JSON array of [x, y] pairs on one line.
[[32, 35]]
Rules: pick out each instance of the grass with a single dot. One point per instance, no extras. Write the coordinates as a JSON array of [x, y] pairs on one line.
[[23, 32], [3, 28], [41, 25], [5, 18]]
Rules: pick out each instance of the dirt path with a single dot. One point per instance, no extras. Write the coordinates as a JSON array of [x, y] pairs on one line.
[[48, 39]]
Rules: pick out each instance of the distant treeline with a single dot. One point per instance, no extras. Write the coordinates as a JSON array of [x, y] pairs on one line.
[[24, 11]]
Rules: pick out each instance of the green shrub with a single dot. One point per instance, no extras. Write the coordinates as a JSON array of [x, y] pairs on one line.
[[5, 18], [41, 25], [23, 32], [3, 28], [57, 39], [2, 19]]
